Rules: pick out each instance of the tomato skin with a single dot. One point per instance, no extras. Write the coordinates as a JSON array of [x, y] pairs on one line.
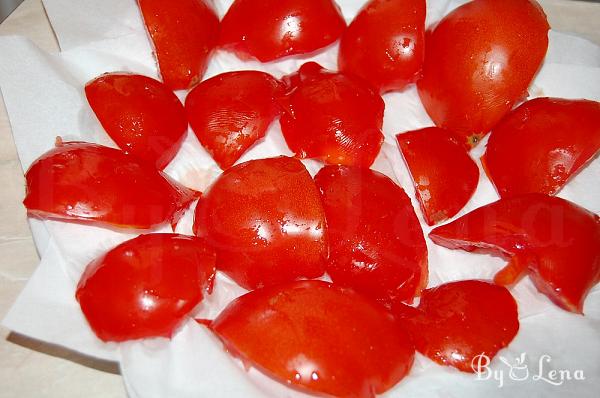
[[458, 321], [444, 175], [541, 144], [272, 29], [384, 44], [554, 241], [140, 114], [102, 186], [233, 110], [480, 60], [376, 244], [183, 35], [265, 220], [317, 337], [332, 117], [145, 286]]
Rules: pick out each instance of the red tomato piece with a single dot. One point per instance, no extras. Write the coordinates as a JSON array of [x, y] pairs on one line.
[[384, 44], [266, 222], [183, 34], [444, 175], [272, 29], [479, 61], [458, 322], [103, 186], [540, 144], [376, 244], [332, 117], [233, 110], [146, 286], [554, 241], [140, 114], [317, 337]]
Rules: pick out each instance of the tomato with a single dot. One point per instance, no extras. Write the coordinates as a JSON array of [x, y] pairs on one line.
[[444, 175], [140, 114], [384, 44], [554, 241], [376, 244], [479, 61], [231, 111], [332, 117], [272, 29], [539, 145], [183, 34], [102, 186], [317, 337], [458, 322], [266, 222], [146, 286]]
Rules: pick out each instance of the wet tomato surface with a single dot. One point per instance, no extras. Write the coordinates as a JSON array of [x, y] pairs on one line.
[[317, 337]]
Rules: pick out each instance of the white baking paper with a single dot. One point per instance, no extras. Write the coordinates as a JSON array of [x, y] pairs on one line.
[[44, 98]]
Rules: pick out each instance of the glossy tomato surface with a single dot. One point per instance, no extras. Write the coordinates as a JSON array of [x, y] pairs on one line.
[[266, 222], [146, 286], [184, 34], [332, 117], [479, 61], [376, 244], [541, 144], [458, 322], [554, 241], [444, 175], [142, 116], [272, 29], [384, 44], [231, 111], [317, 337], [102, 186]]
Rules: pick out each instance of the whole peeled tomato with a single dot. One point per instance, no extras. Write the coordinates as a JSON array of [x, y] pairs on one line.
[[444, 175], [332, 117], [317, 337], [541, 144], [272, 29], [376, 244], [265, 220], [384, 44], [103, 186], [184, 33], [554, 241], [462, 323], [231, 111], [142, 115], [146, 286], [479, 61]]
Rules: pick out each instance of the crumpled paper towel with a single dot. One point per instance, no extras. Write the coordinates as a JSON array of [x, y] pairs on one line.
[[44, 98]]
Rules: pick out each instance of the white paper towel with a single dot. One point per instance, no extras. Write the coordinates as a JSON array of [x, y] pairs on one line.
[[44, 98]]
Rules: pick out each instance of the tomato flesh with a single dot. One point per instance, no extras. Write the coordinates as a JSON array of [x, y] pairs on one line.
[[140, 114], [317, 337], [554, 241], [384, 44], [376, 244], [272, 29], [265, 220], [184, 34], [479, 61], [541, 144], [332, 117], [231, 111], [146, 286], [444, 175], [102, 186]]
